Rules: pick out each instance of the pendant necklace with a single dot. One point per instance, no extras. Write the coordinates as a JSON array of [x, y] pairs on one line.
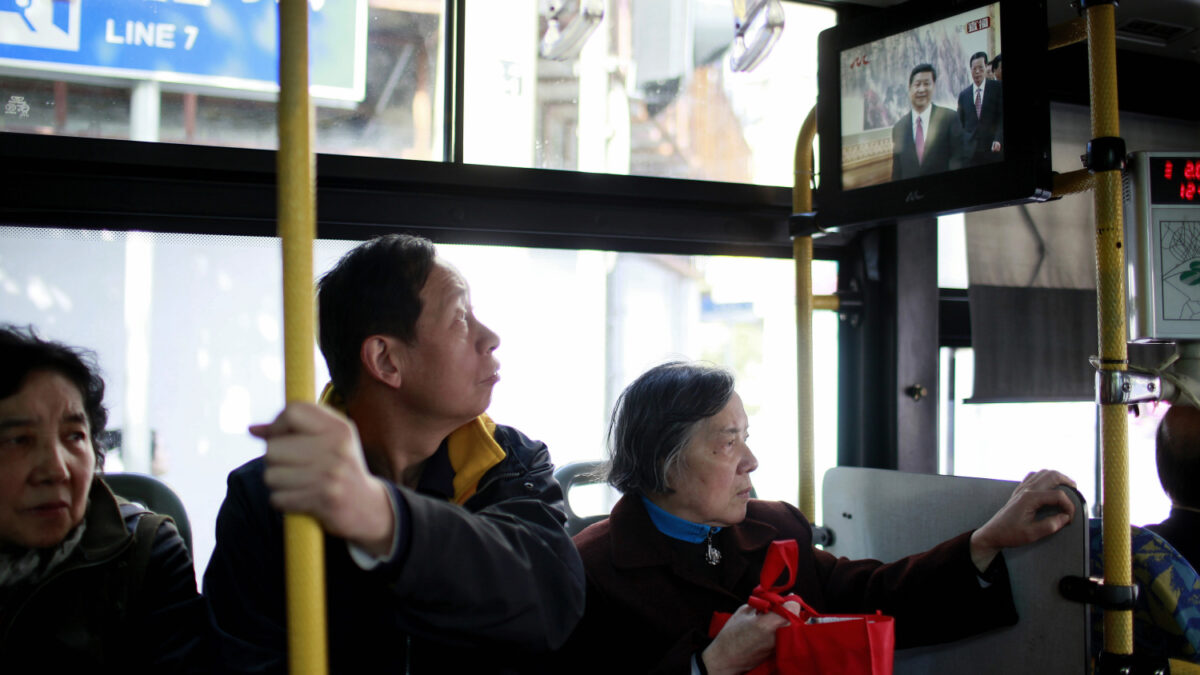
[[712, 556]]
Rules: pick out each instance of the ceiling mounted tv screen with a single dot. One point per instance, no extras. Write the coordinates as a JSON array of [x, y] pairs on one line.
[[932, 107]]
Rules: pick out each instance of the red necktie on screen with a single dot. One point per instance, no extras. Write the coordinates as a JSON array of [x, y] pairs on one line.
[[920, 142], [978, 103]]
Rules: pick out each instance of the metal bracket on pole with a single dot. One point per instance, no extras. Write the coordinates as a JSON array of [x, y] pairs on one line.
[[1119, 598], [1124, 387], [1096, 592], [1131, 664], [804, 225], [1105, 154], [822, 535]]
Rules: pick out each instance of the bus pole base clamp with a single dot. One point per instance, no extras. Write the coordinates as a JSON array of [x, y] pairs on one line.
[[1126, 387], [1096, 592], [1132, 664], [1118, 598]]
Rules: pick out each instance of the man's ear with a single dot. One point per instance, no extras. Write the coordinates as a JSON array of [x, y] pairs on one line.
[[382, 358]]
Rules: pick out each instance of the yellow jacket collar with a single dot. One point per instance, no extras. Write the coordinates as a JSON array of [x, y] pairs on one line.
[[472, 448]]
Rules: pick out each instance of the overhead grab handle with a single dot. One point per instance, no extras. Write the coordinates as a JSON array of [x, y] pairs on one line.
[[569, 23], [757, 25]]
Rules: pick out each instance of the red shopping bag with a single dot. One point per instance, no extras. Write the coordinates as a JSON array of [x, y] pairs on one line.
[[828, 644]]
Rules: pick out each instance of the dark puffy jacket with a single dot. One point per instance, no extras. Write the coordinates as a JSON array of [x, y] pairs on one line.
[[479, 588], [94, 611]]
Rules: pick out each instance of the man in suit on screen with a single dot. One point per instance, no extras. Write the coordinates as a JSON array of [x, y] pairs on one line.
[[981, 114], [929, 139]]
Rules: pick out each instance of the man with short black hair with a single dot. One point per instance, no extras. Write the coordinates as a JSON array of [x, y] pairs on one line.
[[981, 114], [929, 139], [444, 546], [1177, 453]]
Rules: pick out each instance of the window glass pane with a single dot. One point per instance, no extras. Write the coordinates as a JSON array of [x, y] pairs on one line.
[[1008, 440], [188, 331], [1148, 504], [651, 93], [952, 251], [204, 72]]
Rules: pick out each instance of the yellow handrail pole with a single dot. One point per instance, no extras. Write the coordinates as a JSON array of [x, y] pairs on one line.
[[1067, 33], [1073, 182], [802, 252], [828, 302], [1179, 667], [303, 542], [1110, 290]]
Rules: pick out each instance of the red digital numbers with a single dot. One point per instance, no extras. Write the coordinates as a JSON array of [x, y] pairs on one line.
[[1175, 180], [1191, 170], [1191, 173]]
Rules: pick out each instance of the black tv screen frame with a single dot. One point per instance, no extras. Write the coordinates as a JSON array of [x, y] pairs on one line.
[[872, 57]]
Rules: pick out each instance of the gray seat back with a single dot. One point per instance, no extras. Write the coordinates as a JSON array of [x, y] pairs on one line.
[[887, 515], [573, 475]]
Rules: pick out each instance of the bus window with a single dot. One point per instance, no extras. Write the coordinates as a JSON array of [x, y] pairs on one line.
[[188, 331], [1006, 440], [194, 73], [651, 93]]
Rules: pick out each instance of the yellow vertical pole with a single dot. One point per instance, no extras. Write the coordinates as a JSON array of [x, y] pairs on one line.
[[1110, 290], [303, 542], [802, 253]]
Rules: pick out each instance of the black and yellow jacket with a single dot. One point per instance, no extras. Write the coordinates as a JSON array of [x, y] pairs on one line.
[[484, 576]]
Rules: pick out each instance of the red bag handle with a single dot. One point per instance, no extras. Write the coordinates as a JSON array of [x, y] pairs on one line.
[[781, 555]]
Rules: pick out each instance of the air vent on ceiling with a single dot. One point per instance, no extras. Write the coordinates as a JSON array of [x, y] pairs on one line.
[[1150, 32]]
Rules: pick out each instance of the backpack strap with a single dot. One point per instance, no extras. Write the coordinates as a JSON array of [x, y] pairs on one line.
[[144, 534]]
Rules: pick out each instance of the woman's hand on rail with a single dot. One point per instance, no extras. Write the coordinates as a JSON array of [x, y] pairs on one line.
[[1018, 522], [315, 466], [745, 641]]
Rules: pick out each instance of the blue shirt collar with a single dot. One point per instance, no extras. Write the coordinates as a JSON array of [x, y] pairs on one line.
[[676, 527]]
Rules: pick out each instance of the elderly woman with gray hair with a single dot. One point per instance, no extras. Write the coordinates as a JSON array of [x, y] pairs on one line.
[[686, 539]]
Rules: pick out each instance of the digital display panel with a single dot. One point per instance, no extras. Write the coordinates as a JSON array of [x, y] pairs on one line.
[[924, 101], [1175, 180]]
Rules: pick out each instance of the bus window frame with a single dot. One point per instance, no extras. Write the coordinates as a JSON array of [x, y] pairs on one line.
[[88, 183]]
